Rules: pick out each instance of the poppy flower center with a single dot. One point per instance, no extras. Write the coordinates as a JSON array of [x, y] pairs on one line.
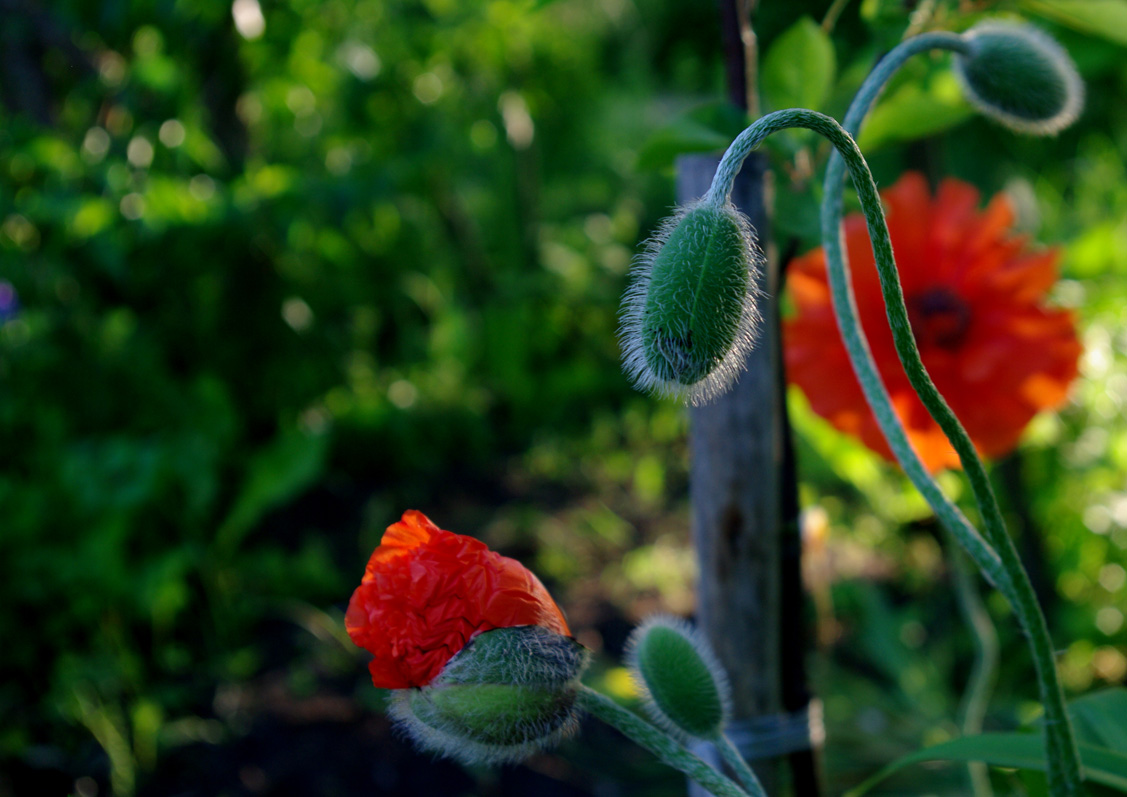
[[938, 317]]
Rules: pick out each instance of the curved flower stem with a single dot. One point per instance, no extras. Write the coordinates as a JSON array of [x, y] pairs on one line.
[[737, 764], [659, 743], [1064, 762], [982, 554]]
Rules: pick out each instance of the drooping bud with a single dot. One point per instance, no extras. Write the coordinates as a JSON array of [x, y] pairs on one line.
[[686, 689], [508, 693], [1021, 77], [689, 318]]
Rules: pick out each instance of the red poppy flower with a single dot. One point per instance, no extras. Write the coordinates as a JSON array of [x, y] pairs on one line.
[[426, 592], [974, 295]]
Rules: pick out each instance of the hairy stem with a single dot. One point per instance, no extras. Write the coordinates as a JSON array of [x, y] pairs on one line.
[[986, 559], [1064, 762], [659, 743], [737, 764]]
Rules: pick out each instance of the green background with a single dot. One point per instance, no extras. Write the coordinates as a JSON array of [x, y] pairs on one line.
[[276, 286]]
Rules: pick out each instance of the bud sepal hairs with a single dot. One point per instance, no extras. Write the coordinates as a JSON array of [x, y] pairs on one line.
[[690, 316]]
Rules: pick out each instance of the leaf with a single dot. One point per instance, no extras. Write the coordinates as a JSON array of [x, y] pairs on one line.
[[915, 110], [1018, 750], [709, 128], [285, 467], [1101, 718], [799, 68], [797, 214], [1104, 18]]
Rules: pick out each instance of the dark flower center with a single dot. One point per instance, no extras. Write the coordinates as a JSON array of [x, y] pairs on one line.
[[938, 317]]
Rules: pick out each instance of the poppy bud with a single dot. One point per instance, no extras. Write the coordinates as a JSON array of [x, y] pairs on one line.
[[508, 693], [686, 689], [1021, 77], [426, 592], [689, 318]]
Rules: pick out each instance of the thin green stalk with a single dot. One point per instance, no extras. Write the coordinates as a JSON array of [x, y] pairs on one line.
[[985, 668], [830, 19], [738, 764], [845, 310], [659, 743], [861, 357], [1064, 762]]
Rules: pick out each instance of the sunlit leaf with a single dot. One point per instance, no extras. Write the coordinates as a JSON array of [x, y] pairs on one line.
[[1104, 18], [1101, 718], [799, 67], [915, 110]]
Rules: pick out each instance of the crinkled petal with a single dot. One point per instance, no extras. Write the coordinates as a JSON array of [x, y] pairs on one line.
[[426, 592]]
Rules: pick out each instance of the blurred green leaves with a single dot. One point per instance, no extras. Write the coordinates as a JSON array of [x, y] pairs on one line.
[[914, 110], [261, 282], [799, 68], [1101, 735], [286, 468], [709, 128], [1104, 18]]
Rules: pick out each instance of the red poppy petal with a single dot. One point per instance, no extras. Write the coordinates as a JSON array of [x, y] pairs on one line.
[[994, 354], [426, 592], [412, 531], [908, 208], [990, 227], [520, 599], [1026, 279]]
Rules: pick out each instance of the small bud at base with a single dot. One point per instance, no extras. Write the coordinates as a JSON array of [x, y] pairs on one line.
[[1021, 77], [686, 689], [689, 317]]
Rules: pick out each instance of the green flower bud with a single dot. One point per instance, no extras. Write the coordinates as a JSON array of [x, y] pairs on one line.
[[1021, 77], [689, 318], [508, 693], [685, 687]]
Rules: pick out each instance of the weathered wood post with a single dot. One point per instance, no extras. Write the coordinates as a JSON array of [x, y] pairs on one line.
[[734, 488], [742, 487]]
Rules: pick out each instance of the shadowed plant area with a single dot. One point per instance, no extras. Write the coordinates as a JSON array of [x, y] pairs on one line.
[[274, 272]]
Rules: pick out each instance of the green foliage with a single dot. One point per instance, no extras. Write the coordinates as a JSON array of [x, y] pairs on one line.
[[261, 278], [1104, 18], [709, 128], [1099, 718], [1103, 746], [927, 105], [798, 69], [274, 289]]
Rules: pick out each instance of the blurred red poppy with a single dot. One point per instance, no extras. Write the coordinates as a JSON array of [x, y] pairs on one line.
[[426, 592], [975, 300]]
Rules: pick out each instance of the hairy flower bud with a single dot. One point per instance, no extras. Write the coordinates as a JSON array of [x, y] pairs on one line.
[[689, 318], [1021, 77], [508, 693], [426, 592], [686, 688]]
